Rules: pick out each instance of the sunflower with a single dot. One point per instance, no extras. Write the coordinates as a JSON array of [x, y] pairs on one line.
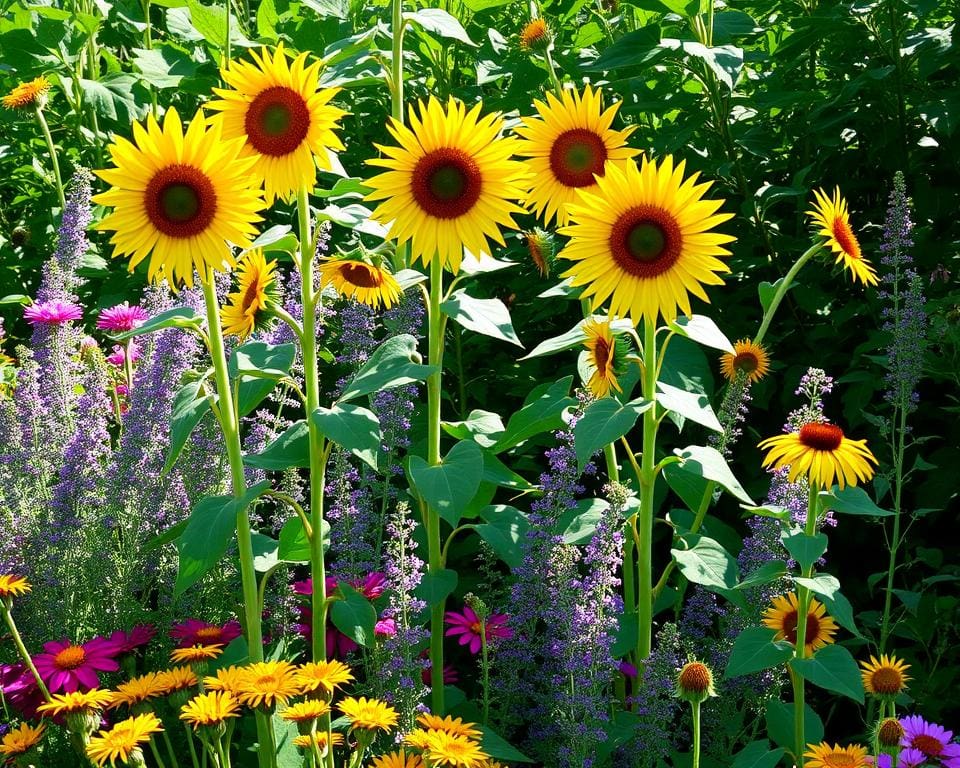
[[535, 36], [450, 184], [244, 307], [833, 218], [822, 755], [139, 689], [284, 118], [398, 759], [123, 740], [268, 683], [820, 452], [324, 675], [362, 282], [368, 714], [76, 701], [748, 358], [601, 349], [13, 586], [195, 653], [643, 240], [209, 709], [445, 749], [782, 617], [20, 740], [886, 677], [305, 711], [25, 95], [569, 145], [181, 199], [448, 724]]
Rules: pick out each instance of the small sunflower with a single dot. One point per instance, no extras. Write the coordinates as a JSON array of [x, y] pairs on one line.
[[748, 358], [179, 198], [27, 95], [362, 282], [139, 689], [20, 740], [783, 614], [306, 741], [210, 709], [398, 759], [569, 145], [885, 677], [450, 185], [325, 676], [822, 755], [820, 452], [177, 679], [444, 749], [123, 740], [195, 654], [244, 308], [455, 726], [76, 701], [601, 347], [644, 240], [225, 679], [535, 36], [268, 683], [12, 585], [695, 682], [284, 117], [368, 714], [833, 218]]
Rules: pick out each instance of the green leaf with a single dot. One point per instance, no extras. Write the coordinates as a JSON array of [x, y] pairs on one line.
[[806, 550], [498, 748], [290, 449], [164, 66], [828, 589], [853, 501], [259, 366], [691, 405], [278, 233], [765, 574], [834, 669], [705, 562], [754, 651], [171, 534], [15, 298], [498, 473], [436, 586], [294, 546], [578, 524], [504, 529], [354, 615], [638, 48], [709, 463], [626, 638], [603, 422], [267, 18], [351, 427], [541, 413], [394, 363], [766, 291], [575, 337], [483, 427], [440, 23], [114, 96], [489, 317], [211, 22], [178, 317], [780, 724], [448, 487], [208, 533], [264, 552], [757, 754], [703, 330], [189, 408]]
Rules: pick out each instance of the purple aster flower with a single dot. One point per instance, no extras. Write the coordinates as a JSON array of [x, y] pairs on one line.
[[931, 739], [122, 317], [52, 313]]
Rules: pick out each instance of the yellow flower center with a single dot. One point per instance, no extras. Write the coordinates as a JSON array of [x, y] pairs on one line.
[[71, 657], [886, 680]]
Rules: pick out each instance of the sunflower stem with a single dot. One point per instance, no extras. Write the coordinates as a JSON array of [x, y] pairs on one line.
[[695, 716], [800, 648], [52, 149], [784, 287], [648, 479], [397, 26], [22, 649]]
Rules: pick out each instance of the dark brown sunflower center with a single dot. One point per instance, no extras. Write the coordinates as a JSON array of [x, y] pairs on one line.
[[645, 241], [886, 680], [840, 760], [821, 437], [746, 362], [360, 276], [929, 745], [890, 732], [180, 200], [602, 354], [277, 121], [847, 240], [250, 296], [790, 627], [695, 678], [576, 155], [446, 183], [71, 657]]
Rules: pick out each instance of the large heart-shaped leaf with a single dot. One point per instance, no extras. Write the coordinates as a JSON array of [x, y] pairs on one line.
[[449, 486], [353, 428]]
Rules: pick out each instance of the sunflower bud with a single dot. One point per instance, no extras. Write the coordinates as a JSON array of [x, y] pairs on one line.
[[536, 36], [695, 682], [889, 732], [28, 95], [541, 248]]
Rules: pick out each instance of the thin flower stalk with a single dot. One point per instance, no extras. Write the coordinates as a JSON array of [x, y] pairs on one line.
[[783, 287], [52, 149]]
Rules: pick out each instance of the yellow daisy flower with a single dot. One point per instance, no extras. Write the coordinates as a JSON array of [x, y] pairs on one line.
[[822, 755], [268, 683], [601, 348], [368, 714], [139, 689], [319, 738], [283, 116], [26, 95], [20, 740], [644, 240], [445, 749], [362, 282], [885, 677], [749, 358], [325, 676], [177, 679], [243, 308], [782, 616], [180, 198], [76, 701], [195, 653], [569, 144], [833, 218], [820, 452], [455, 726], [398, 759], [12, 585], [123, 740], [225, 679], [305, 711], [209, 709], [450, 185]]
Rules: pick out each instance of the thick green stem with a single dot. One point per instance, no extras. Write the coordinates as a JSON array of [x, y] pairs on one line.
[[647, 483], [783, 288], [22, 649], [397, 27], [799, 711], [695, 716], [800, 647], [52, 149]]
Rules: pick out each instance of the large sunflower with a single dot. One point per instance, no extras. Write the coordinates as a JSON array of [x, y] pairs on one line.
[[601, 347], [748, 358], [820, 452], [885, 677], [822, 755], [643, 240], [450, 184], [833, 218], [362, 282], [568, 145], [244, 307], [783, 614], [181, 199]]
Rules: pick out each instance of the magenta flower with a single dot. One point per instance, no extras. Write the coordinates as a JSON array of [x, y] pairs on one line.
[[467, 625], [52, 313], [929, 738], [121, 318], [119, 355], [450, 674], [139, 636], [68, 667], [385, 628], [196, 632], [20, 690]]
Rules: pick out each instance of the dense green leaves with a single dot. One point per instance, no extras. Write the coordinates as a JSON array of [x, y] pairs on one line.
[[353, 428], [705, 562], [755, 650], [354, 615], [189, 408], [394, 363], [833, 668], [291, 448], [541, 413], [603, 422]]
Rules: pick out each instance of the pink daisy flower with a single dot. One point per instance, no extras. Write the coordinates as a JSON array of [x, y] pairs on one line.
[[119, 355], [450, 674], [68, 667], [467, 626], [52, 313], [196, 632], [121, 318], [130, 641], [385, 628], [931, 739], [20, 690]]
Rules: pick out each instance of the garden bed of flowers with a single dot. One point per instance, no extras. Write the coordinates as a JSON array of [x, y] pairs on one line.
[[479, 384]]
